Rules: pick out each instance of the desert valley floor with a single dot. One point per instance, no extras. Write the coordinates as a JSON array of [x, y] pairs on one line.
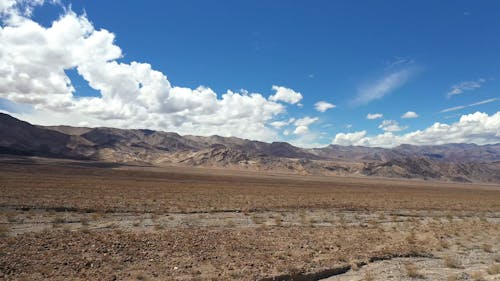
[[70, 220]]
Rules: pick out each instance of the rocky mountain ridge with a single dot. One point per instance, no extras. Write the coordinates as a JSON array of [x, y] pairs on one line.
[[451, 162]]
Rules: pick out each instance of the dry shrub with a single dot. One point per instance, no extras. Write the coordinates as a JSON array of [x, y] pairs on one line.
[[4, 231], [444, 244], [381, 216], [278, 220], [412, 271], [257, 219], [451, 262], [494, 269], [411, 238], [303, 217], [369, 276], [11, 217], [477, 276], [488, 248], [84, 229], [236, 275], [58, 220], [231, 224], [449, 216], [96, 216], [84, 221], [141, 276]]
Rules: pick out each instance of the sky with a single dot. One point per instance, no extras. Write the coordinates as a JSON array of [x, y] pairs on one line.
[[311, 73]]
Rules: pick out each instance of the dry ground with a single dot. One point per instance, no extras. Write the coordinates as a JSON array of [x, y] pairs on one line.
[[68, 220]]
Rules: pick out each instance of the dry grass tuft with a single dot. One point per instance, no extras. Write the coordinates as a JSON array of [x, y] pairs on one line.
[[84, 229], [452, 262], [453, 277], [444, 244], [413, 271], [369, 276], [11, 217], [58, 220], [278, 220], [84, 221], [4, 231], [477, 276], [256, 219], [141, 276], [97, 216], [488, 248], [494, 269], [381, 217]]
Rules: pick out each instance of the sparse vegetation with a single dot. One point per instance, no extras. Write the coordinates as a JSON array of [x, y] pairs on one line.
[[452, 262], [494, 269], [141, 276], [452, 277], [84, 221], [195, 226], [11, 217], [278, 220], [369, 276], [84, 229], [3, 231], [487, 247], [412, 271], [258, 220], [443, 243], [477, 276], [58, 220]]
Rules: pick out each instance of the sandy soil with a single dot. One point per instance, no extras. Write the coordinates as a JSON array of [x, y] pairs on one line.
[[91, 221]]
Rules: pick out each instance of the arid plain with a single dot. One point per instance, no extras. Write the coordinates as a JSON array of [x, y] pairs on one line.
[[71, 220]]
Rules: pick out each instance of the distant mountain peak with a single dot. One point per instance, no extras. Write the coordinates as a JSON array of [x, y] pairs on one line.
[[457, 162]]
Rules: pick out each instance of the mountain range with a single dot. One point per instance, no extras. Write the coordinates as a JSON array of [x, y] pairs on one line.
[[451, 162]]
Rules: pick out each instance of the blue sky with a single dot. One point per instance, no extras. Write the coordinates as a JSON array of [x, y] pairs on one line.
[[364, 57]]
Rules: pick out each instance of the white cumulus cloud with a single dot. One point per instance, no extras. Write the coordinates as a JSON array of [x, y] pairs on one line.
[[34, 58], [323, 106], [306, 121], [308, 140], [372, 116], [391, 126], [299, 130], [285, 95], [479, 128], [409, 115], [279, 124], [349, 138], [302, 124]]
